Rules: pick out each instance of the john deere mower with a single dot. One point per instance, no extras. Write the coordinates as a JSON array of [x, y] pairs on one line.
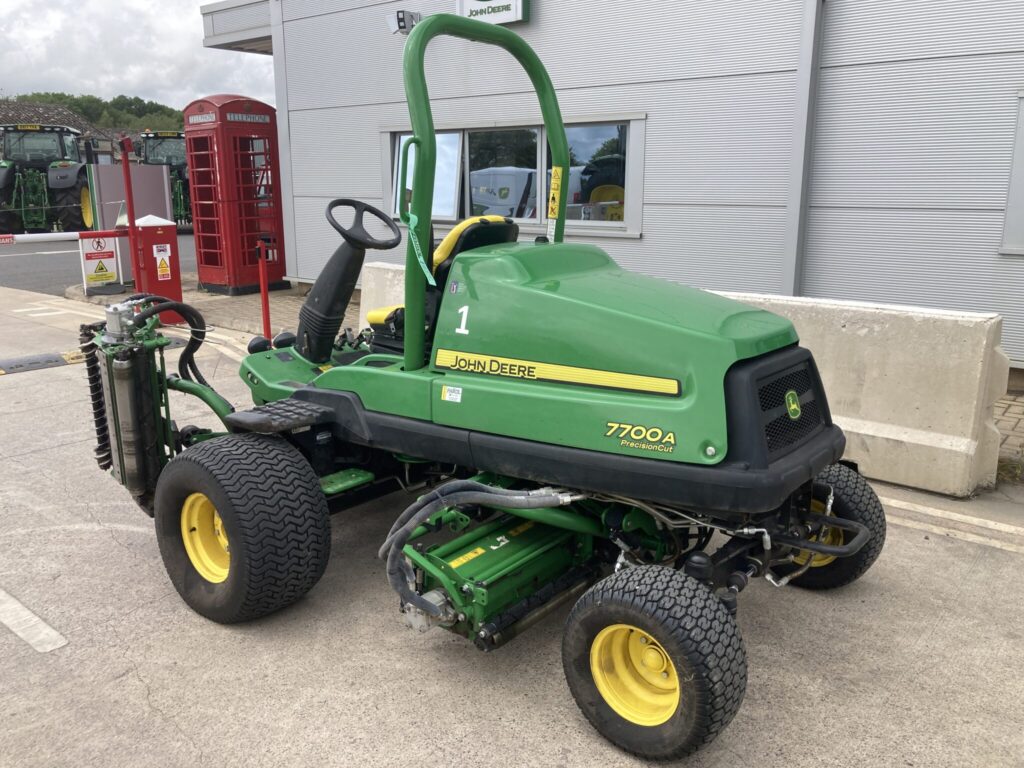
[[43, 182], [572, 432]]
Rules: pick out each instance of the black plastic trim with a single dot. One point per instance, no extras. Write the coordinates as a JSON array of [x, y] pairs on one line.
[[729, 489]]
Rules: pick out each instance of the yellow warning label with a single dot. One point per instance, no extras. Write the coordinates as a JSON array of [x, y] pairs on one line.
[[163, 269], [471, 555], [554, 203], [101, 274]]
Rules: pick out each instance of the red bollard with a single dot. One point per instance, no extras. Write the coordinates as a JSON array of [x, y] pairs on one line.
[[264, 287]]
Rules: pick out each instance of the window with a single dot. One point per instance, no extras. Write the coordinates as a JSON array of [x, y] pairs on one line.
[[597, 172], [446, 177], [1013, 223], [506, 171], [503, 172], [71, 147]]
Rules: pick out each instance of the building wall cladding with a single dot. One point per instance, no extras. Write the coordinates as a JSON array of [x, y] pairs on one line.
[[913, 144], [911, 152], [716, 84]]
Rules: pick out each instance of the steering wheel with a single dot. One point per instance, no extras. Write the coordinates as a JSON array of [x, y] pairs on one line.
[[356, 235]]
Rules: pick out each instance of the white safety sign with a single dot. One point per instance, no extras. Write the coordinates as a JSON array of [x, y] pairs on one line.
[[162, 254], [99, 261]]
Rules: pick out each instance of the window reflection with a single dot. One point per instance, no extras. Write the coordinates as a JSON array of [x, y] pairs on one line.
[[503, 173]]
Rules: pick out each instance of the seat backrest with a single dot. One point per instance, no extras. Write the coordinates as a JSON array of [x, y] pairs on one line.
[[475, 232]]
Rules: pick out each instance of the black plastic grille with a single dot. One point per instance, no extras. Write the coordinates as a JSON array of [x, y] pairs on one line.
[[780, 430]]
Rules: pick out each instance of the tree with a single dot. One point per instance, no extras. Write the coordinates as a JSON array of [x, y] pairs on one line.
[[129, 113]]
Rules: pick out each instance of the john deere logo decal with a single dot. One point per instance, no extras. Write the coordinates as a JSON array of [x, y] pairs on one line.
[[793, 404]]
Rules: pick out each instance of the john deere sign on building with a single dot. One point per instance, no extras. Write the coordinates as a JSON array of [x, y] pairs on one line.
[[495, 11]]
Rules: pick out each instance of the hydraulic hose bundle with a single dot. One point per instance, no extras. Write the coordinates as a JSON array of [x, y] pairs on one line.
[[187, 367], [455, 493]]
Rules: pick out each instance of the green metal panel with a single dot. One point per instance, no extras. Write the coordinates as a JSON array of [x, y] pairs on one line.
[[426, 149], [344, 480], [571, 305]]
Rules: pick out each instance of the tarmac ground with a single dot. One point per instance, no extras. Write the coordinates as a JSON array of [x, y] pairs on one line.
[[918, 663]]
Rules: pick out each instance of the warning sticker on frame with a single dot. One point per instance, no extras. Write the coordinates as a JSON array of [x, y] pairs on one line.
[[554, 203], [162, 254]]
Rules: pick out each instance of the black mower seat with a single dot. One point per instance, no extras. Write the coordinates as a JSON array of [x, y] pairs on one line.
[[388, 323]]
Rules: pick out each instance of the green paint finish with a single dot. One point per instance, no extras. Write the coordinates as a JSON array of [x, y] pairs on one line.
[[388, 390], [217, 404], [32, 197], [426, 148], [571, 305], [345, 480], [276, 374], [496, 565]]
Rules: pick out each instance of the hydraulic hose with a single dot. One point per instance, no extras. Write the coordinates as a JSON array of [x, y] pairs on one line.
[[398, 570], [187, 367], [455, 486]]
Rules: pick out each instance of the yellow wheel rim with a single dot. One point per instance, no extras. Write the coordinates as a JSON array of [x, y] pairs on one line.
[[831, 536], [634, 675], [206, 542], [86, 200]]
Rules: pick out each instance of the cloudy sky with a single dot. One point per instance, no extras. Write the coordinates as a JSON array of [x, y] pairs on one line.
[[147, 48]]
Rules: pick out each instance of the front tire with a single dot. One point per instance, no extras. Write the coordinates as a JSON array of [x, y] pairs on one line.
[[853, 500], [654, 661], [242, 525]]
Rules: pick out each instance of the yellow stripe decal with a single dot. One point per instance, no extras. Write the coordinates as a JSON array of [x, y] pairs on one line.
[[470, 362], [472, 555]]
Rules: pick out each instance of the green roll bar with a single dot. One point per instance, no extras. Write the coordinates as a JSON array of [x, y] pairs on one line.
[[418, 217]]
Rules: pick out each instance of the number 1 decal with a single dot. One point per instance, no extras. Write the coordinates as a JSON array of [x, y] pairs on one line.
[[464, 311]]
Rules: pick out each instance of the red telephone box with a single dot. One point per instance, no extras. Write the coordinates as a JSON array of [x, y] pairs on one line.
[[231, 148]]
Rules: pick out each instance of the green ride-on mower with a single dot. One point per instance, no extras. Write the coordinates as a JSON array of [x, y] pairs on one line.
[[574, 431]]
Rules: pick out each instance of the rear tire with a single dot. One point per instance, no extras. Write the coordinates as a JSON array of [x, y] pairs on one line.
[[696, 649], [242, 525], [10, 224], [853, 500], [74, 207]]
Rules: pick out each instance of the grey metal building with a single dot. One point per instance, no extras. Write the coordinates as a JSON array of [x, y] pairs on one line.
[[848, 149]]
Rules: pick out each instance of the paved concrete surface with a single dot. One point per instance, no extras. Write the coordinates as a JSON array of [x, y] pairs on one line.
[[52, 267], [917, 664], [1009, 413]]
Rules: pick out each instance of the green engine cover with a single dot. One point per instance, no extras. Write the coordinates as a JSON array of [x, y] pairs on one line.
[[558, 344]]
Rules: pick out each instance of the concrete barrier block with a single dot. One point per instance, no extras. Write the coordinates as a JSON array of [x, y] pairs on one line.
[[383, 285], [913, 388]]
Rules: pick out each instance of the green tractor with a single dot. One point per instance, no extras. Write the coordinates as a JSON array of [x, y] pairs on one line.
[[572, 432], [44, 184], [168, 148]]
